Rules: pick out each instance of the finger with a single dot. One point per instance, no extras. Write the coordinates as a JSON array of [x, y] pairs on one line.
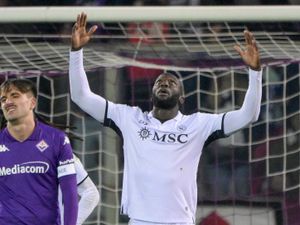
[[81, 19], [74, 27], [251, 38], [78, 19], [238, 49], [254, 45], [247, 37], [84, 20], [92, 30]]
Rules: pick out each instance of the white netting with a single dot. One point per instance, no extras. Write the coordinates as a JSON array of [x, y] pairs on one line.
[[253, 175], [121, 44]]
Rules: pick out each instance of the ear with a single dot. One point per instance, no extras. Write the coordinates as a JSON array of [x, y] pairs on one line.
[[33, 102], [181, 100]]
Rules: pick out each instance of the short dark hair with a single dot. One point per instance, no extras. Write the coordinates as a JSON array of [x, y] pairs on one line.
[[23, 85]]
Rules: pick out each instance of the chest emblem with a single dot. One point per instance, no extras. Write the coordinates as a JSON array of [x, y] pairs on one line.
[[144, 133], [42, 145], [181, 128]]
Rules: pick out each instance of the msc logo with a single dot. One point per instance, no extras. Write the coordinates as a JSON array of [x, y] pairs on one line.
[[144, 133], [3, 148], [170, 138], [163, 137]]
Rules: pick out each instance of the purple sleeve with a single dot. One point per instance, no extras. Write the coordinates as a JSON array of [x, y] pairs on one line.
[[69, 196], [67, 180]]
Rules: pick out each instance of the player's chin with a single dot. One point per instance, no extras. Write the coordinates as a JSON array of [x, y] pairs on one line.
[[10, 117]]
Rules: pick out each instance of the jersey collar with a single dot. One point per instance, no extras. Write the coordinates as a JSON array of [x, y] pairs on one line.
[[34, 135], [176, 118]]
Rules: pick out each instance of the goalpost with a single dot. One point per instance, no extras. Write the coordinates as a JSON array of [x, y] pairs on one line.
[[251, 178]]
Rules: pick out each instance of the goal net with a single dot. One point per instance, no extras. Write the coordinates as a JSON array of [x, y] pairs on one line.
[[249, 178]]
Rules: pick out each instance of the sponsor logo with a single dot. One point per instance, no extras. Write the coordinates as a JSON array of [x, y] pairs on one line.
[[170, 138], [163, 137], [144, 133], [42, 145], [3, 148], [68, 161], [34, 167]]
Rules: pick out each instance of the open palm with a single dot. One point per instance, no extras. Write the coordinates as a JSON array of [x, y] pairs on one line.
[[250, 54], [79, 34]]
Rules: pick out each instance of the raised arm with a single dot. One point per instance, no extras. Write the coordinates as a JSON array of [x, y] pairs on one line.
[[250, 109], [81, 93]]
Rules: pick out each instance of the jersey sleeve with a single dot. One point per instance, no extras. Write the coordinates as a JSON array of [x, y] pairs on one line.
[[214, 127], [117, 115], [65, 158], [80, 91], [249, 111], [67, 180], [81, 173]]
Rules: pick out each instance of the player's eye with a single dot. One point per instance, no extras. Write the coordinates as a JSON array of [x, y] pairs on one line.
[[158, 82], [15, 95], [173, 82], [2, 99]]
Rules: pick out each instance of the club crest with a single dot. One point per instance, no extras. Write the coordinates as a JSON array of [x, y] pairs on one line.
[[42, 145]]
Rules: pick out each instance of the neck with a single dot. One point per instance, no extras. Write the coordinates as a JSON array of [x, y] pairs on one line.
[[164, 114], [21, 130]]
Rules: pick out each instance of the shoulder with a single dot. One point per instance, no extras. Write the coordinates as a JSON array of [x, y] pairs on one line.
[[197, 115], [115, 108], [2, 134], [202, 116], [51, 131]]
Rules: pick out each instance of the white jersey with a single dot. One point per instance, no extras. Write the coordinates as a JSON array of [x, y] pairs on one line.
[[161, 161]]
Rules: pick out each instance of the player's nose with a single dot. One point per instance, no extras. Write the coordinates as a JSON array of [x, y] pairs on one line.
[[7, 102], [164, 83]]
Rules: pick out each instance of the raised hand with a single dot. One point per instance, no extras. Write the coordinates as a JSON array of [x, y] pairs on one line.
[[79, 34], [249, 53]]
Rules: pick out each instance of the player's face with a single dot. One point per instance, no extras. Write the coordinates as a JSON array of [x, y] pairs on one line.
[[16, 105], [167, 91]]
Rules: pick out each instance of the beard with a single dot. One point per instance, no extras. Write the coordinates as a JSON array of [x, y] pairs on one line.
[[167, 103]]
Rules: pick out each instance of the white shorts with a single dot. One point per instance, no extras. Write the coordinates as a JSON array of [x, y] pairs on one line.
[[141, 222]]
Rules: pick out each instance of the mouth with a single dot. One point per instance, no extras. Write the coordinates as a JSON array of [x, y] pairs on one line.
[[10, 109], [163, 92]]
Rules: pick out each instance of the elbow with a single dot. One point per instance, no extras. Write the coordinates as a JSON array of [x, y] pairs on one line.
[[256, 114], [255, 118], [252, 118], [96, 196], [74, 98], [93, 196]]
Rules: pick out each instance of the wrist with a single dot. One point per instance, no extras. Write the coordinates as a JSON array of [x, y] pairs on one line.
[[73, 49], [257, 68]]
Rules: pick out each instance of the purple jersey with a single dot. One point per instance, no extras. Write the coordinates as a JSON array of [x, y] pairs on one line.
[[29, 175]]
